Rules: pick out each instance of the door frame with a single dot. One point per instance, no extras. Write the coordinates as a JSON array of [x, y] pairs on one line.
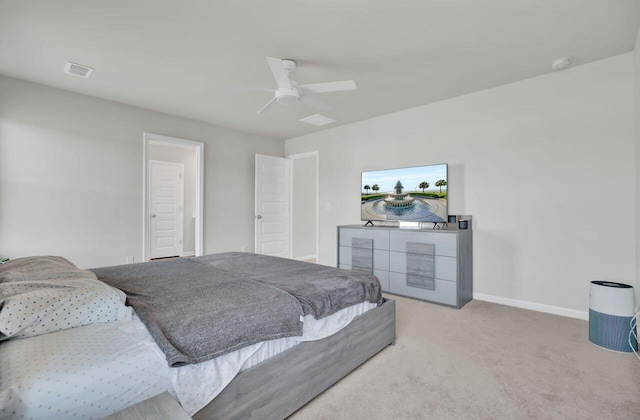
[[166, 141], [293, 157]]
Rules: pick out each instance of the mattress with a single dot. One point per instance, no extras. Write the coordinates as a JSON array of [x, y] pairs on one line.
[[95, 370]]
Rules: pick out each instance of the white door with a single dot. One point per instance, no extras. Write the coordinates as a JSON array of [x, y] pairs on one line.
[[304, 206], [272, 206], [165, 205]]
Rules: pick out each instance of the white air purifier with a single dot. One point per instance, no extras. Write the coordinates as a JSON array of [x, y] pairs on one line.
[[611, 310]]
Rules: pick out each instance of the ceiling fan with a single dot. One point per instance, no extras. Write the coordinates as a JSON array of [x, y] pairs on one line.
[[289, 92]]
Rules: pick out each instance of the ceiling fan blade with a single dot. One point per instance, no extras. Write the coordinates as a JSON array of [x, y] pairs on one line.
[[279, 72], [268, 105], [316, 103], [330, 86]]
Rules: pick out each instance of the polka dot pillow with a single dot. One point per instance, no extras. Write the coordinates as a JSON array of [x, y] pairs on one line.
[[33, 307]]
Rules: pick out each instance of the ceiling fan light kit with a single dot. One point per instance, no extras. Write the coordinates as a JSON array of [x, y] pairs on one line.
[[286, 96], [289, 92]]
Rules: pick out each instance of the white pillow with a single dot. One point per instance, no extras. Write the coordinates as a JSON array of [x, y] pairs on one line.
[[39, 306]]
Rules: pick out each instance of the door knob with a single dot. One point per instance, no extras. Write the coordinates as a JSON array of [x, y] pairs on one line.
[[153, 215], [259, 216]]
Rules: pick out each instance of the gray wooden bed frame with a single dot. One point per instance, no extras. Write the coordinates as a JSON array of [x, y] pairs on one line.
[[276, 388]]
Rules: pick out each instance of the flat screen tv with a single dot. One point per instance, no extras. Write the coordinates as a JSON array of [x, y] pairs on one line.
[[416, 194]]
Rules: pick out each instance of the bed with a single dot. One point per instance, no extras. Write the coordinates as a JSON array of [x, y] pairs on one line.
[[301, 351]]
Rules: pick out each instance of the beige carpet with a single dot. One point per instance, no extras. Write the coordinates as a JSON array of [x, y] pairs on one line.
[[485, 361]]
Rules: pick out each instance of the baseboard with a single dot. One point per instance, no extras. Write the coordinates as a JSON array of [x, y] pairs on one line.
[[308, 257], [556, 310], [189, 254]]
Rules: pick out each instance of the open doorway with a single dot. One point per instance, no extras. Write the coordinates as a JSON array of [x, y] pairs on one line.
[[304, 206], [172, 197]]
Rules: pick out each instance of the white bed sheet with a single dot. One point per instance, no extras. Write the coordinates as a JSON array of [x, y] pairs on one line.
[[93, 371]]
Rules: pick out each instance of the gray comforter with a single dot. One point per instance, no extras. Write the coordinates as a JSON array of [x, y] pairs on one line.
[[200, 308], [321, 290]]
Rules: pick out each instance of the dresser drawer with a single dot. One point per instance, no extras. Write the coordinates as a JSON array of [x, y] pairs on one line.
[[380, 258], [445, 243], [444, 291], [445, 267], [380, 237]]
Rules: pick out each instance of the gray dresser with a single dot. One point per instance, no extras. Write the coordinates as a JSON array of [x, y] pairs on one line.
[[427, 264]]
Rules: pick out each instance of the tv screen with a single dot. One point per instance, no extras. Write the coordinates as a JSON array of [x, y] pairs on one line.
[[416, 194]]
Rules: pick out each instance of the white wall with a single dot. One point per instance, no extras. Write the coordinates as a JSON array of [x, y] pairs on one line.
[[303, 203], [71, 175], [188, 159], [545, 166]]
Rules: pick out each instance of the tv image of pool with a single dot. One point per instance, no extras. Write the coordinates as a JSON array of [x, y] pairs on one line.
[[422, 209]]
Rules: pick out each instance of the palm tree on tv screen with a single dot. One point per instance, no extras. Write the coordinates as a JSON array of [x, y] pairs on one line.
[[441, 183], [367, 188], [424, 185]]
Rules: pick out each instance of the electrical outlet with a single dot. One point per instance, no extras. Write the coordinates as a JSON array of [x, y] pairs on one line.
[[129, 260], [243, 248]]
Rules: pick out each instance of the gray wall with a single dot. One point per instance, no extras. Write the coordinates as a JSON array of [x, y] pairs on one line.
[[546, 166], [71, 175]]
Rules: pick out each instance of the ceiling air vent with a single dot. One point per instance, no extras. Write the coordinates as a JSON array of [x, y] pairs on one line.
[[318, 120], [78, 70]]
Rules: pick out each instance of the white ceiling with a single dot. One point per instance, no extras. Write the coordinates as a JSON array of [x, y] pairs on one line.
[[189, 57]]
